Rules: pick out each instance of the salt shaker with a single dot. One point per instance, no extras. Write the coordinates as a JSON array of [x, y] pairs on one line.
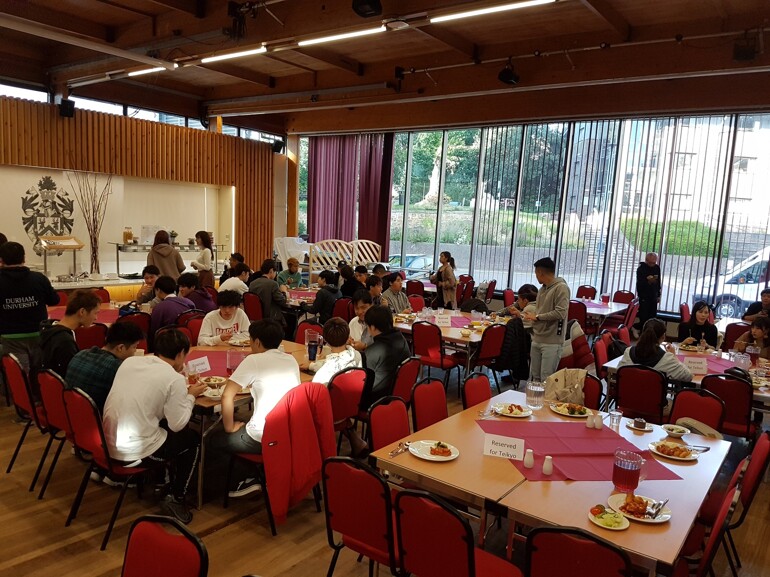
[[529, 459], [548, 465], [598, 420], [590, 422]]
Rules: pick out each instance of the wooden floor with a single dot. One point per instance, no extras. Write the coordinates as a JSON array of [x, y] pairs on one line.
[[36, 543]]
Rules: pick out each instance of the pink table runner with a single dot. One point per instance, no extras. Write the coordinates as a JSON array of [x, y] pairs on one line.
[[217, 360], [460, 322], [302, 294], [579, 453], [715, 365], [106, 316]]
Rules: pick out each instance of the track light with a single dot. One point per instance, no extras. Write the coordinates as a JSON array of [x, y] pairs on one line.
[[146, 71], [208, 59], [342, 36], [490, 10], [507, 75]]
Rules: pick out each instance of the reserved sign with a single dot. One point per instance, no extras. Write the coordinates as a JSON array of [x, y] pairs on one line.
[[199, 366], [696, 365], [504, 447], [443, 321]]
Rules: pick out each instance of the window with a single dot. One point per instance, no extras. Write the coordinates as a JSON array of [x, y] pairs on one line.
[[25, 93], [97, 105], [302, 213]]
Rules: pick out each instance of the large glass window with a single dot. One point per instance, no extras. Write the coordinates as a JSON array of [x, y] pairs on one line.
[[25, 93]]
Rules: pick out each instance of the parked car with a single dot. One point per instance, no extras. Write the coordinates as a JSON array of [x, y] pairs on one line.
[[415, 265], [733, 292]]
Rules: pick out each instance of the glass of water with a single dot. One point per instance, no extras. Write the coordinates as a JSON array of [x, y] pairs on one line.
[[535, 395]]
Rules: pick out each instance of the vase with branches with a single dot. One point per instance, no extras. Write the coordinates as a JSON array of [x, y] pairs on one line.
[[92, 200]]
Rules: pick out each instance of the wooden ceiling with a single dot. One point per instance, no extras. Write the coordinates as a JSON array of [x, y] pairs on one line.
[[574, 58]]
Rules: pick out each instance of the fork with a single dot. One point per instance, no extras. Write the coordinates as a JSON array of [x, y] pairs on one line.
[[402, 448]]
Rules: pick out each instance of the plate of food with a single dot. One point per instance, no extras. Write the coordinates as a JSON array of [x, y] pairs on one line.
[[214, 382], [688, 348], [433, 450], [239, 342], [675, 451], [676, 431], [608, 519], [511, 410], [637, 426], [213, 393], [636, 507], [571, 410]]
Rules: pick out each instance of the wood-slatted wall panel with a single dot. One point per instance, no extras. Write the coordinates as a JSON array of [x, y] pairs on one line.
[[33, 134]]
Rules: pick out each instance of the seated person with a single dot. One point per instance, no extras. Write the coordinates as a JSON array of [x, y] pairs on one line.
[[228, 321], [396, 299], [169, 307], [698, 330], [235, 258], [361, 274], [291, 276], [350, 284], [188, 288], [271, 374], [93, 370], [272, 295], [387, 351], [57, 338], [761, 308], [374, 286], [359, 332], [239, 274], [525, 303], [757, 337], [146, 416], [379, 270], [338, 278], [336, 334], [146, 293], [648, 352], [323, 305]]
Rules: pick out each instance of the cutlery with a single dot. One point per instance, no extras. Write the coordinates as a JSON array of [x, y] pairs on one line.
[[657, 508], [698, 448], [402, 448]]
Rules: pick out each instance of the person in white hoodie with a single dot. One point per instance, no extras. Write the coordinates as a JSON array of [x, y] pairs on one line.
[[342, 356], [227, 322]]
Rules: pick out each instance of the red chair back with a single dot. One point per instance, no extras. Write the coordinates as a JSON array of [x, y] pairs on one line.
[[698, 404], [194, 326], [684, 312], [631, 312], [93, 336], [154, 551], [140, 319], [213, 293], [51, 391], [468, 291], [184, 317], [641, 392], [388, 422], [577, 311], [592, 392], [407, 375], [345, 390], [548, 547], [417, 303], [737, 395], [607, 338], [342, 308], [490, 291], [426, 338], [600, 358], [459, 292], [463, 278], [103, 294], [509, 297], [623, 296], [476, 389], [303, 327], [86, 426], [252, 306], [586, 291], [18, 383], [717, 533], [415, 287], [752, 478], [732, 332], [491, 345], [624, 334], [428, 403], [63, 298]]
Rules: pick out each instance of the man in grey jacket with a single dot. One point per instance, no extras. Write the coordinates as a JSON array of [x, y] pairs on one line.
[[549, 320]]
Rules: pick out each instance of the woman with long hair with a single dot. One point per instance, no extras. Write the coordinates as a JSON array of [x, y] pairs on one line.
[[698, 330], [445, 281], [758, 336], [649, 353], [202, 262], [165, 257]]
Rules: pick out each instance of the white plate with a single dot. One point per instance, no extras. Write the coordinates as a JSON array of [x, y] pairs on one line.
[[218, 381], [616, 500], [238, 343], [502, 409], [212, 393], [676, 434], [421, 449], [555, 407], [630, 425], [654, 448], [625, 524]]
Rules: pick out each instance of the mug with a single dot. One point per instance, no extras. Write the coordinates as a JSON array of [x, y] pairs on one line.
[[627, 470]]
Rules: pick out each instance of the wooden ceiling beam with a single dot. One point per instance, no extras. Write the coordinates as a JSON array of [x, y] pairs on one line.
[[241, 73], [337, 60], [196, 8], [60, 21], [452, 40], [612, 17]]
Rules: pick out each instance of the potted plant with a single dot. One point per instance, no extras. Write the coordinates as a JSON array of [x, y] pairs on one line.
[[173, 234]]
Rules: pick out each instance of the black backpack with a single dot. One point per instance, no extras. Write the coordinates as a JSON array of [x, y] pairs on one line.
[[616, 349]]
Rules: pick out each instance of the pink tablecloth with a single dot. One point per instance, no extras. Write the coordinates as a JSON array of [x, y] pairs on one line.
[[715, 365], [302, 294], [217, 360], [106, 316], [579, 453]]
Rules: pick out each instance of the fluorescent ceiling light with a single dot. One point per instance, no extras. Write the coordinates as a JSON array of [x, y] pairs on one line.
[[146, 71], [342, 36], [490, 10], [260, 50]]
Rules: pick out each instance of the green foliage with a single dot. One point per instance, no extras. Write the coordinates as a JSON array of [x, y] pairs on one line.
[[683, 237]]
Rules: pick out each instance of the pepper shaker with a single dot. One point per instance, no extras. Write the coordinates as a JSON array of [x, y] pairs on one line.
[[598, 419], [548, 465], [529, 459]]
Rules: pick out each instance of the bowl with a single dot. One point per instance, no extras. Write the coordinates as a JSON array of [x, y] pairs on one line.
[[675, 431], [465, 332]]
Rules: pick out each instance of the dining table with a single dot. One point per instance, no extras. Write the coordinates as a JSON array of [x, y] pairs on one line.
[[107, 314]]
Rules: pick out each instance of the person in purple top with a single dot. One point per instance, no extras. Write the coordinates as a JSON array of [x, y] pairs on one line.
[[170, 305], [189, 289]]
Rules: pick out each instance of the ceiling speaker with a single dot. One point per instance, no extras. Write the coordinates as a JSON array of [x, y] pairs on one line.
[[278, 146], [367, 8], [67, 108]]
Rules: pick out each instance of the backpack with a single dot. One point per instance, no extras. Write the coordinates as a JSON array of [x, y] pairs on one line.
[[616, 349]]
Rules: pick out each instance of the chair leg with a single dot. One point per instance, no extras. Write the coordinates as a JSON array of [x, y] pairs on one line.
[[115, 512], [79, 495], [333, 563], [18, 446], [371, 567], [51, 467], [39, 469], [317, 497], [734, 548], [268, 508], [729, 558], [228, 480], [339, 442], [497, 381]]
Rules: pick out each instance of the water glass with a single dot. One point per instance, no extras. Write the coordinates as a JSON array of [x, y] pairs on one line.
[[615, 417], [627, 470], [535, 395], [440, 310]]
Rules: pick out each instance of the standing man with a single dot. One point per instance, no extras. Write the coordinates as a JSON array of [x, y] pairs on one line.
[[648, 288], [549, 321], [24, 295]]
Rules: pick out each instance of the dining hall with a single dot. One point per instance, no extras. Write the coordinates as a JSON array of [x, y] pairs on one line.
[[469, 287]]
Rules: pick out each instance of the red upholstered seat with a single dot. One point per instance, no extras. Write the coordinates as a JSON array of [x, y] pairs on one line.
[[737, 395], [93, 336], [586, 291], [408, 374], [476, 389], [641, 392], [342, 308], [163, 547], [509, 297], [51, 393], [252, 306], [699, 404], [732, 332], [346, 389], [303, 327], [428, 403], [388, 422], [429, 347]]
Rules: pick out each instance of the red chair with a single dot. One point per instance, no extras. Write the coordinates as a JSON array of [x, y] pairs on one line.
[[684, 312], [63, 298], [93, 336], [732, 332], [154, 551], [416, 303], [252, 306], [51, 391], [213, 293], [737, 395], [698, 404], [464, 278], [490, 291], [194, 326], [184, 317], [346, 389], [429, 346], [425, 523], [342, 309], [624, 335], [103, 294], [600, 358], [407, 375], [388, 422], [88, 435], [140, 319], [467, 291], [586, 291], [459, 292], [476, 389], [577, 311], [640, 392], [509, 297], [303, 327], [415, 287], [428, 403], [592, 392], [28, 411], [488, 351], [358, 509], [589, 555], [612, 324], [623, 296]]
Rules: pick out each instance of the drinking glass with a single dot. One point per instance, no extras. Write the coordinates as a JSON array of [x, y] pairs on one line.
[[234, 358], [440, 310], [615, 417], [627, 471], [313, 344], [606, 298], [535, 395]]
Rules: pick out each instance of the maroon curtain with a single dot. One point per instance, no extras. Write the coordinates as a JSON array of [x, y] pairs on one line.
[[374, 189], [331, 187]]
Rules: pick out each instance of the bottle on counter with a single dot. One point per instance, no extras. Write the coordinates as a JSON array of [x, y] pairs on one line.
[[128, 235]]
